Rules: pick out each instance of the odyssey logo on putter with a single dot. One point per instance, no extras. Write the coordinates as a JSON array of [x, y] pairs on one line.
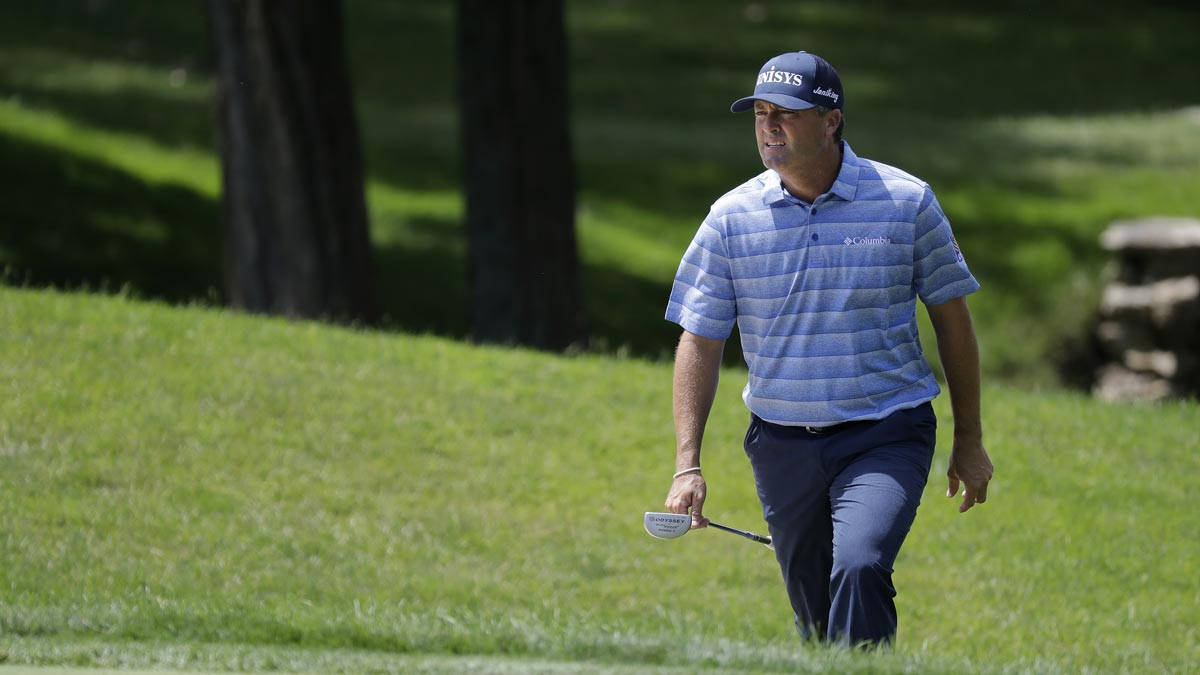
[[672, 525]]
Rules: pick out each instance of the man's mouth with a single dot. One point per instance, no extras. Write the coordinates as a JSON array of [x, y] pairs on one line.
[[774, 144]]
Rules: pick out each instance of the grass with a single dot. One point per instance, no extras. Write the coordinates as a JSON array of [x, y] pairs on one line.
[[195, 479], [111, 179]]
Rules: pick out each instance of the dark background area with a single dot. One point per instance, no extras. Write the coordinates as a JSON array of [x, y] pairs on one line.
[[650, 85]]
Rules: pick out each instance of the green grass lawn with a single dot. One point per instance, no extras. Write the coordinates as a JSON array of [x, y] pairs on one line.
[[176, 479]]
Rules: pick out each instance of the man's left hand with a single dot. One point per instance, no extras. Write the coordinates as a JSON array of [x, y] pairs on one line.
[[970, 465]]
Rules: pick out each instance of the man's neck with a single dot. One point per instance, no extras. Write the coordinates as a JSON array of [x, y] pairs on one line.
[[814, 179]]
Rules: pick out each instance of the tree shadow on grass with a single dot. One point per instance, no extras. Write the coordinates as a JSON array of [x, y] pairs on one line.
[[81, 223], [73, 222], [424, 290], [908, 70], [919, 80], [171, 122], [147, 31], [78, 223], [400, 55], [957, 62]]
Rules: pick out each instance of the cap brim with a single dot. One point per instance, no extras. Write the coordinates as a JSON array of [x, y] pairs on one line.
[[781, 100]]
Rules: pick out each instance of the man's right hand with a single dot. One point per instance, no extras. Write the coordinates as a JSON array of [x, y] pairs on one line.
[[688, 492]]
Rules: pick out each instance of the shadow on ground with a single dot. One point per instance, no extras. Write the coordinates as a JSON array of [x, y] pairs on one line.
[[81, 224], [901, 65], [424, 290], [72, 222], [921, 84]]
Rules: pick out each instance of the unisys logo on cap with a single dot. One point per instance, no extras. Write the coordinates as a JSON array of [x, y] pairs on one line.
[[773, 75], [796, 81]]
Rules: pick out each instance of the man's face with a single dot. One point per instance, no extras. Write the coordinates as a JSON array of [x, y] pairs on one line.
[[789, 138]]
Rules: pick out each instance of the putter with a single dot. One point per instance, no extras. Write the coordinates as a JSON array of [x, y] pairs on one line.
[[672, 525]]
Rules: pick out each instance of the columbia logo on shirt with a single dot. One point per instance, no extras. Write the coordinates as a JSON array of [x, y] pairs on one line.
[[866, 241]]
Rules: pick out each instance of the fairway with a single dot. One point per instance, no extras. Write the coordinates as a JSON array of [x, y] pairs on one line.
[[52, 670], [187, 477], [377, 663], [429, 665]]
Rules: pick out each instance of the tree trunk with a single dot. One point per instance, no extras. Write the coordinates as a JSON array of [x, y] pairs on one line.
[[297, 239], [520, 199]]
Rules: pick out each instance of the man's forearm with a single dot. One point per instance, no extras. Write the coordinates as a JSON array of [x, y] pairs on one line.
[[959, 352], [697, 369], [969, 467], [961, 363]]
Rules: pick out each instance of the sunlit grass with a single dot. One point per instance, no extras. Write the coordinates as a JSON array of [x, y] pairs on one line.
[[195, 475], [134, 153], [52, 70]]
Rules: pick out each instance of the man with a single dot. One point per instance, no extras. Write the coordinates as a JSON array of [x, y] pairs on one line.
[[819, 261]]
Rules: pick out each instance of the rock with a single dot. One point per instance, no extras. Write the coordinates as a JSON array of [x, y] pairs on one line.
[[1152, 234], [1148, 332], [1163, 364], [1162, 302], [1115, 383]]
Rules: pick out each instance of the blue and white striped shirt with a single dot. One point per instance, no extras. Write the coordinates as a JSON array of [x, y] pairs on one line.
[[824, 297]]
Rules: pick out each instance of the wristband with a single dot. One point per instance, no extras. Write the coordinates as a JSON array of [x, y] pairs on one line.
[[680, 473]]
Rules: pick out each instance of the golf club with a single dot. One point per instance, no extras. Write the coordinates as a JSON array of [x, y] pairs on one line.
[[672, 525]]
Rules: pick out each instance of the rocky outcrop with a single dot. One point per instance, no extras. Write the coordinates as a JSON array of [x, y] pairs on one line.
[[1149, 327]]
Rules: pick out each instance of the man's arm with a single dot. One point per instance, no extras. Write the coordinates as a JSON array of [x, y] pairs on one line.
[[697, 369], [969, 462]]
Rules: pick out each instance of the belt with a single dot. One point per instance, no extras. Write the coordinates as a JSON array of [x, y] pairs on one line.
[[834, 428], [816, 431]]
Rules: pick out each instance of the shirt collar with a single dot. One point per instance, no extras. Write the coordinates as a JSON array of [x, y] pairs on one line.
[[844, 186]]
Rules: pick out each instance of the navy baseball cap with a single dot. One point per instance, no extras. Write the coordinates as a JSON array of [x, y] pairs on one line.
[[796, 81]]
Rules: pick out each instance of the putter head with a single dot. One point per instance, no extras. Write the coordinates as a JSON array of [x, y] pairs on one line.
[[667, 525]]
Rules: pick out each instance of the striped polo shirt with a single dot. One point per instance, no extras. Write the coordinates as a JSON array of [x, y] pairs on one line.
[[824, 296]]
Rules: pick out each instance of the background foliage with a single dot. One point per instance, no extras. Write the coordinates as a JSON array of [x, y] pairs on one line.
[[1037, 124]]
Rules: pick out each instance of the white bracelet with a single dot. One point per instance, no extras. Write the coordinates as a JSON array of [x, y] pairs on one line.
[[680, 473]]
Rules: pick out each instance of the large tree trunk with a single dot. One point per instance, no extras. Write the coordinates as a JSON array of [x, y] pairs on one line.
[[297, 240], [512, 64]]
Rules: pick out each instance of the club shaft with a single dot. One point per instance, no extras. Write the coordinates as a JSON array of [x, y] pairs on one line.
[[749, 535]]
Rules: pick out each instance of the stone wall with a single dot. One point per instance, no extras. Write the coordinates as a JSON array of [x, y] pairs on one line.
[[1149, 327]]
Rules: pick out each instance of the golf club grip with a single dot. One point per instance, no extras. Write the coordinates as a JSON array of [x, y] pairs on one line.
[[749, 535]]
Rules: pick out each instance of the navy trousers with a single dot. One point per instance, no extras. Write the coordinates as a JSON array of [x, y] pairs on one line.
[[839, 504]]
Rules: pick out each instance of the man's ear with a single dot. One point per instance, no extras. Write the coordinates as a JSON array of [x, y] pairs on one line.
[[832, 121]]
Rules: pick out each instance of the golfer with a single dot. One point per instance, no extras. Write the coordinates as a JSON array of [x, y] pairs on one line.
[[819, 260]]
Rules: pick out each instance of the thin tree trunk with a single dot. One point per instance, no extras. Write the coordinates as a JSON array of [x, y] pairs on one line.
[[297, 239], [520, 192]]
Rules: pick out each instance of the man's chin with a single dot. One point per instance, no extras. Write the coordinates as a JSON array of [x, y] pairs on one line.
[[771, 161]]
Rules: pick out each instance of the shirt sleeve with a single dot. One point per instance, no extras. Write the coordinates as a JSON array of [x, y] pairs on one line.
[[940, 271], [702, 297]]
